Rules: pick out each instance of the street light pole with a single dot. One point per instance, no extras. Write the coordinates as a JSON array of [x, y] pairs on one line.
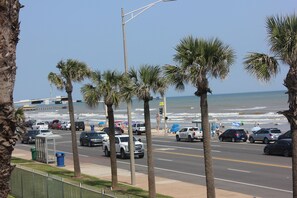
[[129, 106], [133, 14]]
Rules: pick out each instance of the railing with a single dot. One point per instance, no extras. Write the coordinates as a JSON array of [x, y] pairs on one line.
[[29, 183]]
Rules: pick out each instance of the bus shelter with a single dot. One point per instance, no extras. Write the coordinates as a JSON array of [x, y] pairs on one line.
[[46, 147]]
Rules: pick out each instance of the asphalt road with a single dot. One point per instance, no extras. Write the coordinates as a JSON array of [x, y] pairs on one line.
[[240, 167]]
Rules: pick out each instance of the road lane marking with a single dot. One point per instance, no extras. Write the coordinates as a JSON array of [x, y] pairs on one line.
[[237, 170], [167, 160], [228, 159], [185, 148], [165, 149], [218, 179]]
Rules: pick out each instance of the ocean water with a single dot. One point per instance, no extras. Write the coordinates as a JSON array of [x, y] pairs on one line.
[[248, 109]]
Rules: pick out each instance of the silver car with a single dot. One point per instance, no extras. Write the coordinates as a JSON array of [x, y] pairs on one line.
[[265, 135]]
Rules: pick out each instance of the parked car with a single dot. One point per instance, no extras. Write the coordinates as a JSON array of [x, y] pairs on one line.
[[90, 139], [118, 130], [79, 125], [29, 123], [39, 126], [29, 136], [265, 135], [189, 133], [233, 135], [279, 147], [55, 124], [287, 135], [45, 132], [65, 125], [138, 128]]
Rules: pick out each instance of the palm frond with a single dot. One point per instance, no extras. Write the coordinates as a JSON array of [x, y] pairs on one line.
[[57, 80], [262, 66], [282, 35]]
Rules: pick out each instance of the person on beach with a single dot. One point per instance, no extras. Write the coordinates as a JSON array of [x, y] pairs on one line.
[[158, 121]]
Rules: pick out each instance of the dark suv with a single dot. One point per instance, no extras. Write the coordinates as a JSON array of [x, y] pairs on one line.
[[79, 125], [287, 135], [117, 130], [90, 139], [233, 135], [29, 137]]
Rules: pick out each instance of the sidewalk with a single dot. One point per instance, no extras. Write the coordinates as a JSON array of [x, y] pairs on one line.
[[164, 186]]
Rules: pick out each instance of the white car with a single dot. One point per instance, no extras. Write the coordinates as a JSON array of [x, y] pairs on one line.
[[40, 126], [138, 128], [122, 148], [45, 132], [66, 125], [189, 133]]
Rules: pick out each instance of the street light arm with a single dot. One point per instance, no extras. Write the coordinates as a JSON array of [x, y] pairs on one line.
[[139, 11]]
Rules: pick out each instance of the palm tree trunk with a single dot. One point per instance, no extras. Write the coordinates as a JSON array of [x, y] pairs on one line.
[[207, 147], [77, 172], [291, 115], [113, 156], [150, 159], [9, 31]]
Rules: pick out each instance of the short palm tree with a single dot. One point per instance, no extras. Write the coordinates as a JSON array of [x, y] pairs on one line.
[[282, 37], [19, 116], [70, 71], [200, 59], [106, 86], [147, 80]]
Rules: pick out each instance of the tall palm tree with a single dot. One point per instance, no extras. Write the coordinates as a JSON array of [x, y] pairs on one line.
[[106, 86], [200, 59], [70, 71], [147, 80], [282, 38], [9, 32]]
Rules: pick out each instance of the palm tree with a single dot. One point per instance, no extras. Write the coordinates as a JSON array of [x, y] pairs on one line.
[[9, 32], [200, 59], [142, 83], [19, 117], [106, 86], [282, 39], [70, 71]]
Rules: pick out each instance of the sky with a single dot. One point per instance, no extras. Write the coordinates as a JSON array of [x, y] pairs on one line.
[[91, 31]]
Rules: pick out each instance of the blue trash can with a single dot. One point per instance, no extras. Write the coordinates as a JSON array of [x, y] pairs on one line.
[[60, 159]]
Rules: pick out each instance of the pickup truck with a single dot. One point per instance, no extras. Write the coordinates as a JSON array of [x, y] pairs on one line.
[[40, 126], [189, 134], [122, 148]]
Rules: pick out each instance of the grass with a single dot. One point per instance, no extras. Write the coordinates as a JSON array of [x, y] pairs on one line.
[[122, 189]]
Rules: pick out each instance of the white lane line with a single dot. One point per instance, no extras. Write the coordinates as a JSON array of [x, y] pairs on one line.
[[214, 145], [165, 149], [219, 179], [166, 160], [237, 170], [186, 148]]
